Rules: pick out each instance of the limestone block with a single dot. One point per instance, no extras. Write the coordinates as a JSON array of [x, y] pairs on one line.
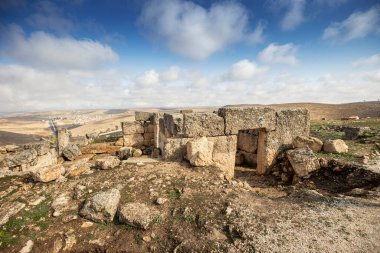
[[302, 160], [132, 127], [247, 142], [224, 153], [48, 159], [23, 157], [313, 143], [63, 139], [143, 116], [77, 169], [133, 140], [172, 125], [199, 152], [335, 146], [48, 173], [242, 118], [137, 214], [107, 162], [71, 151], [99, 148], [42, 148], [102, 206], [202, 124], [174, 149]]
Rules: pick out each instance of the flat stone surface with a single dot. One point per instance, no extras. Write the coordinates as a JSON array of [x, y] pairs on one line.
[[202, 124]]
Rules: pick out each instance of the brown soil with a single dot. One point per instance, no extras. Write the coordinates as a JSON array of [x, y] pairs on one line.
[[204, 213]]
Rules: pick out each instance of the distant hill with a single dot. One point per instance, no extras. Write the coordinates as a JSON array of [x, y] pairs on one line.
[[333, 111]]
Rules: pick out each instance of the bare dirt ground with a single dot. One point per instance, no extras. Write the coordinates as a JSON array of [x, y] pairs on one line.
[[204, 213]]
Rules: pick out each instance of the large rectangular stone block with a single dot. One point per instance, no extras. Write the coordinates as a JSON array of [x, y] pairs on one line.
[[243, 118], [174, 149], [143, 116], [133, 140], [132, 127], [224, 153], [247, 142], [202, 124], [172, 125]]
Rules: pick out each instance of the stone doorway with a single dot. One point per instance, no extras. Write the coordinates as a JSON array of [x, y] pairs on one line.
[[250, 148]]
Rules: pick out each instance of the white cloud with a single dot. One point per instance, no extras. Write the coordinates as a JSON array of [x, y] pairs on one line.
[[372, 60], [294, 15], [274, 53], [357, 25], [49, 16], [330, 3], [44, 50], [245, 70], [257, 36], [190, 30], [148, 78]]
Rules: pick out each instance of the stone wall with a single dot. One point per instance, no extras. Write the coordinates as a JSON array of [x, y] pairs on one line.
[[26, 157], [258, 134]]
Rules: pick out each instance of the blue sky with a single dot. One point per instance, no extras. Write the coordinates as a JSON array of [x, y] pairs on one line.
[[171, 53]]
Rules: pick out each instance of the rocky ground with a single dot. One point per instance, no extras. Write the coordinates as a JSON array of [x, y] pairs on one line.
[[184, 209]]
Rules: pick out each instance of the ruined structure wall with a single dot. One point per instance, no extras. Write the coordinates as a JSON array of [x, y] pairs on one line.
[[172, 133]]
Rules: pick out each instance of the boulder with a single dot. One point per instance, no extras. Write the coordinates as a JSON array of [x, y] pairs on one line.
[[71, 151], [26, 156], [138, 215], [77, 169], [313, 143], [353, 133], [335, 146], [202, 124], [199, 152], [48, 173], [303, 161], [107, 162], [124, 153], [137, 152], [101, 207]]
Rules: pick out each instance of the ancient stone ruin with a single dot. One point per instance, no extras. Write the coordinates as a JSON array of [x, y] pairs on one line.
[[232, 135]]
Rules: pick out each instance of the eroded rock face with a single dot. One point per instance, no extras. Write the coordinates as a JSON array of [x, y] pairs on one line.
[[134, 127], [313, 143], [138, 215], [71, 151], [303, 161], [106, 163], [335, 146], [48, 173], [199, 151], [102, 206]]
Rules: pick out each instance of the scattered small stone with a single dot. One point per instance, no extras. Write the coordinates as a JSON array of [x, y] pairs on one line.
[[28, 247], [70, 241], [161, 201], [87, 224], [147, 238], [138, 215], [137, 153], [228, 210]]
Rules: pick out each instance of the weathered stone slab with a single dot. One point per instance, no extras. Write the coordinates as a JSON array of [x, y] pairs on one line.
[[202, 124], [335, 146], [174, 149], [199, 151], [48, 173], [143, 116], [77, 169], [303, 161], [23, 157], [9, 210], [71, 151], [132, 127], [224, 153], [102, 206], [48, 159], [41, 147], [242, 118], [313, 143], [63, 139], [138, 215], [107, 162], [133, 140]]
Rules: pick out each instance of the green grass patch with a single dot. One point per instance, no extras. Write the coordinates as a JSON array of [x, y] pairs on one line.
[[138, 239], [157, 219], [190, 218], [17, 226], [174, 194]]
